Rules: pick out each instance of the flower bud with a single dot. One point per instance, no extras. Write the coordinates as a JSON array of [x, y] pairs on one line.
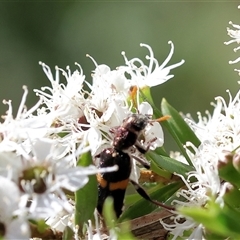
[[236, 161], [225, 159]]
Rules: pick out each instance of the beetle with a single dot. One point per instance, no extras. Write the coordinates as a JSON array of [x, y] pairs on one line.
[[114, 184]]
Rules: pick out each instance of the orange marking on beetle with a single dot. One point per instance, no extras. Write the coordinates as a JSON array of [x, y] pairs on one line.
[[112, 185], [101, 181], [118, 185]]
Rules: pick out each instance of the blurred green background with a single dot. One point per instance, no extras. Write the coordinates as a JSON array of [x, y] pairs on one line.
[[61, 33]]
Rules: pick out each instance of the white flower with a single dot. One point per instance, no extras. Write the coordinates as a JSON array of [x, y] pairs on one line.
[[112, 81], [13, 225], [107, 100], [41, 146], [153, 130], [61, 220], [218, 134], [47, 170], [197, 193], [97, 235], [25, 124], [222, 128], [81, 114], [64, 102], [151, 75], [235, 34], [177, 229], [88, 116]]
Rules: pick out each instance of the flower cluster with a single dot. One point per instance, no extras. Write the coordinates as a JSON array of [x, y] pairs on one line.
[[219, 135], [41, 146], [41, 150], [220, 138]]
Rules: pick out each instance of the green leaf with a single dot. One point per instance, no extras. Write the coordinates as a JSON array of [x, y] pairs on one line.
[[232, 196], [145, 95], [68, 233], [178, 128], [161, 151], [209, 235], [229, 173], [125, 232], [143, 206], [122, 231], [160, 171], [223, 221], [170, 164], [86, 197], [130, 199], [62, 134], [108, 213], [41, 225]]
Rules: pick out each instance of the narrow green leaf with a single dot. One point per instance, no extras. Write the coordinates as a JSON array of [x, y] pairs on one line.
[[108, 213], [145, 95], [177, 123], [86, 197], [232, 196], [125, 232], [178, 128], [229, 173], [41, 225], [170, 164], [209, 235], [120, 232], [223, 221], [130, 199], [161, 151], [160, 171], [143, 206], [68, 233]]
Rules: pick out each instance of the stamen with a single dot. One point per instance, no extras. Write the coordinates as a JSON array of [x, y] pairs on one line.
[[151, 57], [133, 91], [93, 60], [68, 71], [161, 119], [234, 25], [235, 49], [46, 70], [80, 68], [57, 77], [169, 55], [230, 41], [154, 60], [133, 95], [235, 61], [35, 107], [23, 101], [9, 112], [124, 57], [63, 71]]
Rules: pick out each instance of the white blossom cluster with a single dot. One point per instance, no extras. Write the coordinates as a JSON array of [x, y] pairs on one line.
[[40, 147], [219, 135]]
